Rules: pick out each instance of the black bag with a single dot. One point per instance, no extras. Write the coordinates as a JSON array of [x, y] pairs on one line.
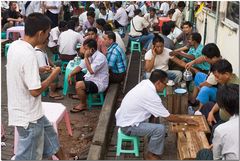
[[144, 31]]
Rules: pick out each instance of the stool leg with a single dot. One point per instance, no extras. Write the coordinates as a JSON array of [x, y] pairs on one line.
[[136, 145], [102, 98], [119, 145], [89, 101], [68, 124]]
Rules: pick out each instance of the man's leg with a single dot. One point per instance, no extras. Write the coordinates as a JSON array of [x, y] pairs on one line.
[[156, 133], [174, 75], [80, 90], [146, 40], [206, 94]]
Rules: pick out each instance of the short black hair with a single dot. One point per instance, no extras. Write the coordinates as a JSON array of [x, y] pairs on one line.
[[152, 9], [111, 35], [181, 4], [187, 23], [166, 29], [211, 50], [171, 11], [93, 29], [62, 24], [118, 4], [91, 14], [71, 24], [157, 75], [91, 43], [100, 21], [157, 39], [107, 27], [171, 24], [196, 37], [137, 11], [91, 9], [228, 98], [76, 19], [36, 22], [222, 66], [102, 8]]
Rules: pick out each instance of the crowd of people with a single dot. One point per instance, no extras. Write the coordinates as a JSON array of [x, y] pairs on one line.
[[101, 30]]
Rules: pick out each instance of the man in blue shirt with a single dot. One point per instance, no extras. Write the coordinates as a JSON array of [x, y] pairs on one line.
[[194, 52], [116, 58]]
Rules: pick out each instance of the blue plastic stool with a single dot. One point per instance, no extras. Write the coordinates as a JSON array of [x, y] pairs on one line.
[[95, 99], [45, 93], [6, 49], [64, 65], [164, 93], [121, 138], [135, 46]]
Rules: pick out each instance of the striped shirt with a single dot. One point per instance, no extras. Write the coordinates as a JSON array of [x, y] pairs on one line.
[[116, 59]]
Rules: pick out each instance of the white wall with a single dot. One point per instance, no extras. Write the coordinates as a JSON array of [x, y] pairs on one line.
[[227, 39]]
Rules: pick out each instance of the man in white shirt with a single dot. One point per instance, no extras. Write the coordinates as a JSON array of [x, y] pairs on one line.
[[158, 58], [178, 16], [29, 7], [120, 18], [95, 80], [175, 31], [164, 8], [225, 144], [131, 8], [83, 16], [24, 92], [67, 42], [138, 23], [152, 18], [53, 9], [106, 14], [138, 105], [54, 35]]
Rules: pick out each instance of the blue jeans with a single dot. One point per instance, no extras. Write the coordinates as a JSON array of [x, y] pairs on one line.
[[156, 133], [206, 94], [37, 141], [145, 39]]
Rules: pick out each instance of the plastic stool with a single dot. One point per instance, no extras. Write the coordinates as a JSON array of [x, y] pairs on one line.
[[135, 46], [55, 57], [164, 93], [6, 49], [3, 35], [64, 65], [122, 137], [54, 112], [45, 93], [95, 99]]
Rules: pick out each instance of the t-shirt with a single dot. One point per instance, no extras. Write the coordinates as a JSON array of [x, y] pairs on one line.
[[22, 76], [161, 60], [177, 17], [42, 57], [53, 37], [234, 80]]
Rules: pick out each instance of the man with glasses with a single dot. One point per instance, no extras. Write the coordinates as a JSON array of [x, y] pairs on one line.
[[137, 107]]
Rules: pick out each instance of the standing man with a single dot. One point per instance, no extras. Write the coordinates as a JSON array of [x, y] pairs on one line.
[[138, 105], [37, 138], [178, 15], [53, 9]]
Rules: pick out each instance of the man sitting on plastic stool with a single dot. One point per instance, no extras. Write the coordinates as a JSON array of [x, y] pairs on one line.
[[95, 80], [137, 107]]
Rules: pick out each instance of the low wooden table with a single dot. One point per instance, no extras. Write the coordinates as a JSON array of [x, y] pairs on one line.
[[176, 103], [190, 138]]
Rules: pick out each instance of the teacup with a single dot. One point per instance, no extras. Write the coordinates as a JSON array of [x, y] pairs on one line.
[[170, 83]]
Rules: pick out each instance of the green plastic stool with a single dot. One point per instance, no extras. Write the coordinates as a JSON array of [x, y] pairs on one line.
[[55, 57], [121, 138], [95, 99], [3, 35], [6, 49], [45, 93], [164, 93], [135, 46], [64, 65]]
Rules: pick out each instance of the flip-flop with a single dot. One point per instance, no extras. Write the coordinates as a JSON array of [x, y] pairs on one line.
[[74, 96], [57, 97], [75, 110]]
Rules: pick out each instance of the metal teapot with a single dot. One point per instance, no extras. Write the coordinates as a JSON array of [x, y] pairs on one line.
[[187, 75]]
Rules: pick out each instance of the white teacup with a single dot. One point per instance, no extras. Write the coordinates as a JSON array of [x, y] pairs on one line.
[[170, 83]]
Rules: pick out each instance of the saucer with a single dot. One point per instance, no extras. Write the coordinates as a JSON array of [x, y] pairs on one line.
[[180, 90]]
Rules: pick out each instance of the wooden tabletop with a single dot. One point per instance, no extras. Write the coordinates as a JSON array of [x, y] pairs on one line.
[[183, 127]]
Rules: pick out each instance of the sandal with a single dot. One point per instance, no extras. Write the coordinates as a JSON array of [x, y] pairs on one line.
[[59, 97], [75, 96], [76, 110]]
